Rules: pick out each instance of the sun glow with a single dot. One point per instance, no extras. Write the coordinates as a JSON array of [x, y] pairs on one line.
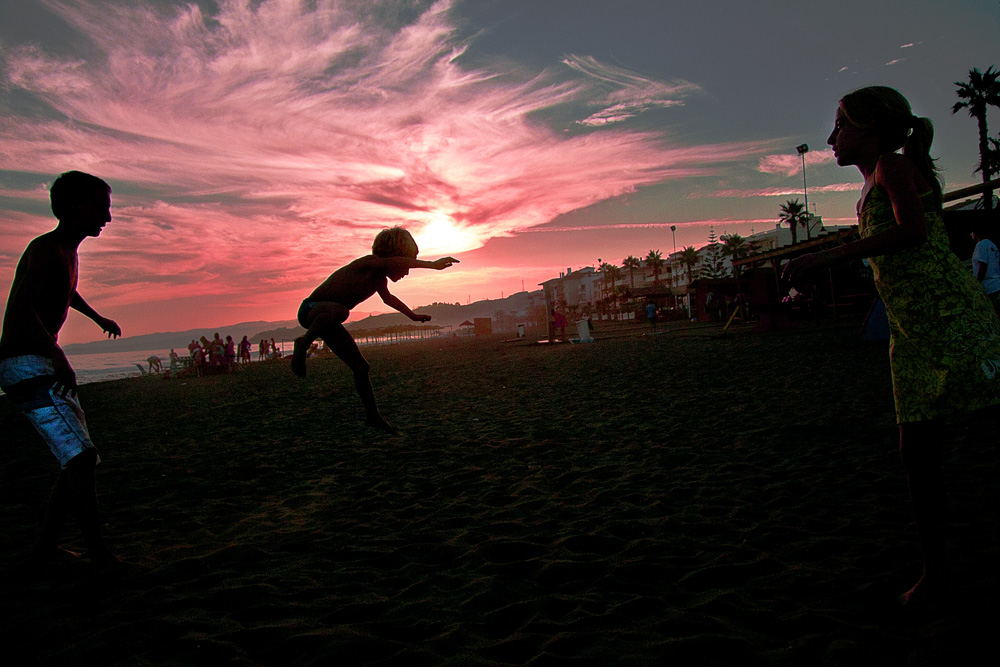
[[442, 236]]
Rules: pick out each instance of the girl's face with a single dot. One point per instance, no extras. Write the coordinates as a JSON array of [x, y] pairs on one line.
[[851, 144]]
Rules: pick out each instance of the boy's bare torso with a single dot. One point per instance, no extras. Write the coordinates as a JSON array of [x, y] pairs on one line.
[[40, 297], [353, 283]]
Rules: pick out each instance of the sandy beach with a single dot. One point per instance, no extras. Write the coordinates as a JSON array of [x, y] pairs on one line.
[[685, 498]]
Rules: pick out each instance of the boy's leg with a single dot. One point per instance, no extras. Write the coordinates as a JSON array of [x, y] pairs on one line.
[[322, 316], [47, 547], [83, 496], [343, 345], [920, 446]]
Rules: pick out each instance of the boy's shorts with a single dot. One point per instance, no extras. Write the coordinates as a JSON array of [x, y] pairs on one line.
[[303, 313], [27, 380]]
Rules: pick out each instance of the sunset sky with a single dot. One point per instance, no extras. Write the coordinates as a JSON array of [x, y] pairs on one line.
[[254, 147]]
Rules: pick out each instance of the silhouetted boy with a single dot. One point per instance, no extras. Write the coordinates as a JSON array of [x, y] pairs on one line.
[[34, 371], [323, 314]]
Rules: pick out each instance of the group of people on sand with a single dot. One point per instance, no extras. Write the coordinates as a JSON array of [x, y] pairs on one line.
[[267, 349], [944, 355]]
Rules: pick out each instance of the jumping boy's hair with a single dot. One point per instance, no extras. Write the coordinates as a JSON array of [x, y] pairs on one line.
[[888, 113], [394, 242], [71, 188]]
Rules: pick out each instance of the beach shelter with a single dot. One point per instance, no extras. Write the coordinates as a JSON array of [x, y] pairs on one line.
[[466, 325]]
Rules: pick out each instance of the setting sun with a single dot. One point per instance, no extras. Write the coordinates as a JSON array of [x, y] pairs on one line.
[[442, 236]]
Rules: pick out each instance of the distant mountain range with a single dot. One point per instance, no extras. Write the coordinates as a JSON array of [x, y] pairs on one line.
[[443, 314]]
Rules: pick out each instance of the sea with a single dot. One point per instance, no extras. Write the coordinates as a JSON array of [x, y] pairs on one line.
[[101, 366]]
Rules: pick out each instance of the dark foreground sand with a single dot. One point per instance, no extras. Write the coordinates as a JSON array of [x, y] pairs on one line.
[[679, 499]]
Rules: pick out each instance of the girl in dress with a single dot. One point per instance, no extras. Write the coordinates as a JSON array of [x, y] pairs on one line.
[[944, 337]]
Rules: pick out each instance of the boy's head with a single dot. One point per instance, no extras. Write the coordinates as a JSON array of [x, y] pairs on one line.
[[80, 198], [394, 242]]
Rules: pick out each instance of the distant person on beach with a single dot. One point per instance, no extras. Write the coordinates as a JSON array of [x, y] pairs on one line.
[[230, 352], [35, 373], [275, 350], [155, 364], [945, 337], [324, 312], [245, 346], [651, 315], [559, 322], [986, 263], [262, 349]]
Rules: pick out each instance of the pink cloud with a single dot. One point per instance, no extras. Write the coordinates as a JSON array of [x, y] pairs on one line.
[[789, 165], [781, 191]]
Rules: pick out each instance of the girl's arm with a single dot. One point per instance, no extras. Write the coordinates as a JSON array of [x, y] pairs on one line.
[[899, 178]]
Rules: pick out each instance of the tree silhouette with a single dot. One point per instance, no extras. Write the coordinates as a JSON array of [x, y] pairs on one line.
[[631, 263], [793, 214], [654, 260], [981, 90]]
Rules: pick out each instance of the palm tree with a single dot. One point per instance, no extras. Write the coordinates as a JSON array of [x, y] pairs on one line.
[[793, 214], [612, 274], [982, 89], [654, 260], [631, 263], [691, 259]]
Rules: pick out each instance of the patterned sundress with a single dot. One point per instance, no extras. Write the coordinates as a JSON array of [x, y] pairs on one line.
[[944, 336]]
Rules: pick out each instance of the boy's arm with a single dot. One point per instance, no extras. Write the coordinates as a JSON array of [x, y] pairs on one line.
[[412, 263], [394, 302], [108, 326]]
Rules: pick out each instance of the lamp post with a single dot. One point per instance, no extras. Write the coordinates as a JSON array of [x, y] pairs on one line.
[[803, 149], [673, 232]]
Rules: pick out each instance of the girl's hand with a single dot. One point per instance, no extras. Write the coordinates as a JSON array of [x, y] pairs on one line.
[[444, 262]]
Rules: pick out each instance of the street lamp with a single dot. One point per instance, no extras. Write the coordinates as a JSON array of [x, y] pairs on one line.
[[803, 149], [673, 232]]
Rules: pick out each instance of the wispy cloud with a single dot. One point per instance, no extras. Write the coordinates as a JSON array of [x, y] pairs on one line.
[[629, 94], [271, 140], [788, 165], [779, 191]]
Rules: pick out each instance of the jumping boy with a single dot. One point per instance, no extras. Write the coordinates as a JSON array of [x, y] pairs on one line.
[[34, 371], [323, 314]]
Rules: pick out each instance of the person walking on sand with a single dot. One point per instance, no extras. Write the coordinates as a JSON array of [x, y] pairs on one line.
[[986, 262], [945, 338], [35, 372], [324, 312]]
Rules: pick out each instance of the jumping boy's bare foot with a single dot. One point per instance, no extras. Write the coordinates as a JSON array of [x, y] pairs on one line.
[[299, 357], [381, 424]]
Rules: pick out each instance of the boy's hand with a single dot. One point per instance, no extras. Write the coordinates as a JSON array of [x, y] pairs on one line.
[[421, 318], [63, 378], [109, 327], [444, 262]]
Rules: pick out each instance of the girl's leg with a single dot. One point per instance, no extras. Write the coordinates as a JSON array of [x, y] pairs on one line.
[[921, 447], [324, 316]]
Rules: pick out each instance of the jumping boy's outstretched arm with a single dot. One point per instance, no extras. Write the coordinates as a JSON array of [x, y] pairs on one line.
[[406, 263], [397, 267], [395, 303]]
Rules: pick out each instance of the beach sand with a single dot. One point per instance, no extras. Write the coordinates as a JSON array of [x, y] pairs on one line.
[[685, 498]]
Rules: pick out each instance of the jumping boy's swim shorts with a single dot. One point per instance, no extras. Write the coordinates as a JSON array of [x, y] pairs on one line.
[[27, 380]]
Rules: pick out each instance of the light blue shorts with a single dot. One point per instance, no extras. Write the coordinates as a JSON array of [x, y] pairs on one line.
[[27, 380]]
